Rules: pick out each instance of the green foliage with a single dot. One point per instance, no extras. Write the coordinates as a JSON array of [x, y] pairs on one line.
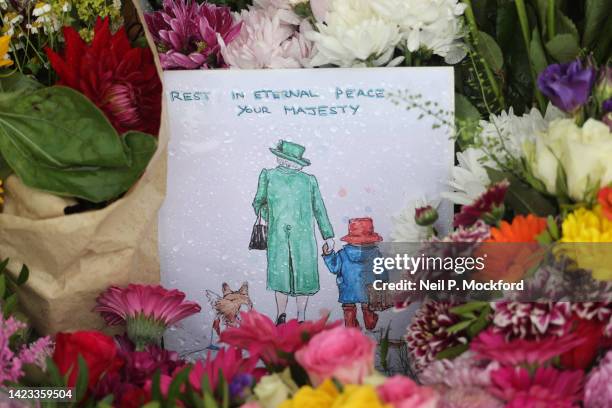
[[523, 198], [511, 41], [58, 141], [9, 285]]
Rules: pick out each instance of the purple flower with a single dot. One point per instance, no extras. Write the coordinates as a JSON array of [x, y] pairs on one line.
[[240, 384], [187, 34], [568, 86]]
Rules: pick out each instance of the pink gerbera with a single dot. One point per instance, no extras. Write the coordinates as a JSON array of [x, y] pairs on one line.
[[493, 345], [489, 206], [146, 309], [259, 335], [547, 387]]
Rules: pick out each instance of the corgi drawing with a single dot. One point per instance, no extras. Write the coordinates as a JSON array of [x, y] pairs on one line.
[[227, 306]]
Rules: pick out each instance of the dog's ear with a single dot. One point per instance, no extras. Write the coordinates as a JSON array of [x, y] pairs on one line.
[[244, 289], [226, 289]]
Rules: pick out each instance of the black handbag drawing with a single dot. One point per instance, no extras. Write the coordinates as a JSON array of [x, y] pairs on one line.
[[259, 236]]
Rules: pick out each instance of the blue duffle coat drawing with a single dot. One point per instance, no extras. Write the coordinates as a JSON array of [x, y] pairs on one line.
[[352, 266]]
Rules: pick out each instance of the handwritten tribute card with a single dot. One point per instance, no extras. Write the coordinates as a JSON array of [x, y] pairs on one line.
[[302, 152]]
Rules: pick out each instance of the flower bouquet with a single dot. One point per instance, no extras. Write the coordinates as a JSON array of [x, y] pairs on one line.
[[82, 155]]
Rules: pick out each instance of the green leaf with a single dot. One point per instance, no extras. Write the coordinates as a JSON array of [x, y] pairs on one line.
[[522, 198], [464, 110], [478, 325], [15, 85], [565, 25], [563, 48], [175, 386], [459, 326], [82, 380], [2, 286], [596, 13], [152, 404], [156, 393], [452, 352], [60, 127], [24, 274], [490, 51], [95, 184], [3, 265], [469, 307], [225, 392], [209, 401], [55, 378], [537, 54], [57, 141], [10, 304]]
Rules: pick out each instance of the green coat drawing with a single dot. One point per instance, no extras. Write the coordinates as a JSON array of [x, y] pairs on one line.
[[290, 201]]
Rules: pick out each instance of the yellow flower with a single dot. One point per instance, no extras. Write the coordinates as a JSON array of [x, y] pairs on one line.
[[327, 395], [321, 397], [359, 396], [589, 226], [4, 48]]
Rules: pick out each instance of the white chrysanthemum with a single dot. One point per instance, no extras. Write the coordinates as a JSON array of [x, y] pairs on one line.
[[405, 228], [353, 34], [266, 42], [469, 178], [504, 135], [431, 24]]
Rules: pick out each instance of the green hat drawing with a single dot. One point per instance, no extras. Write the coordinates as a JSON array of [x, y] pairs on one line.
[[291, 151]]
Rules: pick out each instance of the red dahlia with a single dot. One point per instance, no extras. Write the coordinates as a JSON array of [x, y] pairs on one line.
[[121, 80]]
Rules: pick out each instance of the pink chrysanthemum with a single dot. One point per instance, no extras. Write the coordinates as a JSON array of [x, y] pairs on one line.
[[489, 206], [532, 320], [188, 35], [146, 309], [598, 388], [493, 346], [428, 333], [547, 387]]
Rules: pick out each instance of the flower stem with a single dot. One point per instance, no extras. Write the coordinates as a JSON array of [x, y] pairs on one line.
[[469, 14], [524, 21], [550, 19]]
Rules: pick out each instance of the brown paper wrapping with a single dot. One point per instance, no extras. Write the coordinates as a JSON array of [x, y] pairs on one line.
[[74, 258]]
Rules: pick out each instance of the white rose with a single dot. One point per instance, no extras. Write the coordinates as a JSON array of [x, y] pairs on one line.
[[584, 152], [274, 389]]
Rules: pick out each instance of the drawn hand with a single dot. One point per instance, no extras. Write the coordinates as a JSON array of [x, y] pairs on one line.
[[328, 247], [326, 250]]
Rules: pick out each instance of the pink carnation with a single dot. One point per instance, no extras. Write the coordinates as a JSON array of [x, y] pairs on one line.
[[598, 389], [493, 346], [547, 387], [342, 353], [401, 392]]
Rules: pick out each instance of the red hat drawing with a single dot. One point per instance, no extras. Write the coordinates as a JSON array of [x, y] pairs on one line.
[[361, 231]]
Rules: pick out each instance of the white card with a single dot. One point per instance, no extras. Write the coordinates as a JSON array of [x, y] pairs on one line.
[[368, 155]]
